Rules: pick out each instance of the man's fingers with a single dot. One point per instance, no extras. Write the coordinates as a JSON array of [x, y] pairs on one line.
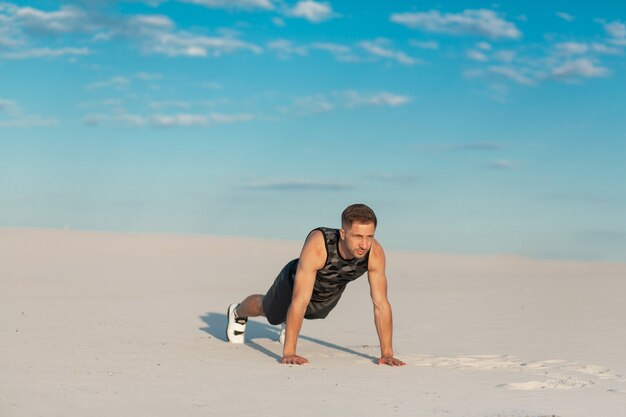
[[294, 360], [391, 362]]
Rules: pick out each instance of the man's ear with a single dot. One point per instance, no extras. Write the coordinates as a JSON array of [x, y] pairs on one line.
[[342, 234]]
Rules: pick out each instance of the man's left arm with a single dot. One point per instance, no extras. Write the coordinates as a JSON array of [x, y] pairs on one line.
[[382, 309]]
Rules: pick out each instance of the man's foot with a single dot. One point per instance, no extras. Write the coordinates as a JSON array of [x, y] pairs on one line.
[[281, 335], [236, 325]]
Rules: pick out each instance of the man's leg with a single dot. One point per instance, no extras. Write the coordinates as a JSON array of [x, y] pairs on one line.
[[273, 305], [252, 306], [237, 317]]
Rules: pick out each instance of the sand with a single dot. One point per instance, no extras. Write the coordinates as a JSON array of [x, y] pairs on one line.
[[105, 324]]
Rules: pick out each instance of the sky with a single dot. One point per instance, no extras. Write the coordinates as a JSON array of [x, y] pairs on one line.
[[469, 127]]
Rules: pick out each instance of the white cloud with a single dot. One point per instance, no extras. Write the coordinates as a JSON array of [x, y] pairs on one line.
[[485, 46], [393, 178], [318, 103], [154, 33], [432, 45], [313, 11], [220, 118], [179, 120], [27, 121], [579, 68], [111, 102], [605, 49], [355, 99], [565, 16], [297, 185], [481, 22], [321, 103], [579, 48], [616, 29], [464, 147], [475, 55], [211, 86], [8, 34], [502, 164], [512, 74], [122, 118], [505, 56], [331, 47], [388, 99], [285, 48], [6, 41], [146, 76], [279, 22], [8, 107], [342, 53], [381, 48], [572, 48], [138, 27], [186, 44], [165, 104], [478, 146], [12, 116], [67, 19], [234, 4], [151, 22], [115, 82], [182, 44], [498, 92], [45, 53]]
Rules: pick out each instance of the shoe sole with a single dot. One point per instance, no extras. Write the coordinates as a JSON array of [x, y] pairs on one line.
[[227, 323]]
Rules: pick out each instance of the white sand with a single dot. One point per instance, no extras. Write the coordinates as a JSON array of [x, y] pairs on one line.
[[103, 324]]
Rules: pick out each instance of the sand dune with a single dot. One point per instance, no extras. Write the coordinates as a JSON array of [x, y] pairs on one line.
[[105, 324]]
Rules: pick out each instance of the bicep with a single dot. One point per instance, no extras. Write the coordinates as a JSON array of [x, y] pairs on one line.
[[311, 260], [376, 275], [378, 286], [303, 283]]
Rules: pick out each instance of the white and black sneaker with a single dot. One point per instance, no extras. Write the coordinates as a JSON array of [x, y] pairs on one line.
[[236, 326], [281, 335]]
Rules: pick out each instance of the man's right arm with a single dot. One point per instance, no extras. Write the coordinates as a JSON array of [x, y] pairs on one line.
[[312, 259]]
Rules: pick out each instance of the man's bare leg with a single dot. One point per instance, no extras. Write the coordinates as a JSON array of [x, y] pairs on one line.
[[252, 306]]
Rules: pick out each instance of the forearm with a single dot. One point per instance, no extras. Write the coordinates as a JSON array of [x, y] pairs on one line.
[[384, 326], [295, 316]]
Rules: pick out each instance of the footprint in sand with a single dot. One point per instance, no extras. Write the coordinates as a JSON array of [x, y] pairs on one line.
[[551, 374]]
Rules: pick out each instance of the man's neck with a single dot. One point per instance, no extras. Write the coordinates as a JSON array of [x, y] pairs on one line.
[[342, 250]]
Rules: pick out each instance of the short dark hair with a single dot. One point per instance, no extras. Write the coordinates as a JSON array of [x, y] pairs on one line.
[[358, 213]]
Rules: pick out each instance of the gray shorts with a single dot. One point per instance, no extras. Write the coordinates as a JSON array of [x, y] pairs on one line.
[[277, 300]]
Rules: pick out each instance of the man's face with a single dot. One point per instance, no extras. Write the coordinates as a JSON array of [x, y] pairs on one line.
[[358, 238]]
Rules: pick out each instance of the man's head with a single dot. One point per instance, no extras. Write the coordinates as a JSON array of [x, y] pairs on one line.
[[357, 213], [358, 224]]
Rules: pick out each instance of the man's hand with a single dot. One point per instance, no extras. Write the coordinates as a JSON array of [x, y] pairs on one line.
[[294, 360], [391, 361]]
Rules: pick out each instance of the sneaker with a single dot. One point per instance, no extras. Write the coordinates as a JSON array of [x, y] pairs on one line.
[[236, 326], [281, 336]]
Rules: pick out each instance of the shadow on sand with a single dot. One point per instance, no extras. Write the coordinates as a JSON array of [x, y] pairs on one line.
[[216, 323]]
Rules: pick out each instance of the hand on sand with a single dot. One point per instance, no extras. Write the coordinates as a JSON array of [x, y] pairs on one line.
[[294, 360], [391, 361]]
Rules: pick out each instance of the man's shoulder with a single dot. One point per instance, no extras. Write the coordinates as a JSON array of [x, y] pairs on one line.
[[327, 230], [314, 250], [377, 248], [376, 257], [315, 246]]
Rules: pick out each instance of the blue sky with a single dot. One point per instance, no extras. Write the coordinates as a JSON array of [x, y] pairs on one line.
[[473, 127]]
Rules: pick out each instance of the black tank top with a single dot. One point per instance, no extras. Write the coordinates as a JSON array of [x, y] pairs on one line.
[[331, 280]]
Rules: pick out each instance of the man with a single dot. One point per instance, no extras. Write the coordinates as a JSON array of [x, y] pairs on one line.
[[310, 286]]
